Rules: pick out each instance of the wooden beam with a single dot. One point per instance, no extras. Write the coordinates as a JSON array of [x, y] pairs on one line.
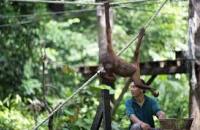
[[164, 67], [148, 68]]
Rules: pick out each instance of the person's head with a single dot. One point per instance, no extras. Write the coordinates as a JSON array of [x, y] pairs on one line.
[[135, 90]]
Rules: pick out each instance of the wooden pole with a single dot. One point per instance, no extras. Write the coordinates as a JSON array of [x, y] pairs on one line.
[[102, 38], [106, 109], [98, 118], [194, 45], [103, 112]]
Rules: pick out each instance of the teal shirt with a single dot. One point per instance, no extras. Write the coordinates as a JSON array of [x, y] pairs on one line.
[[145, 112]]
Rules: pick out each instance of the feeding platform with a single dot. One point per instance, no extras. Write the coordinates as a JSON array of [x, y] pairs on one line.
[[176, 124]]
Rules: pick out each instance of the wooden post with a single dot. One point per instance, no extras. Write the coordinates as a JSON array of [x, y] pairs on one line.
[[98, 118], [106, 109], [194, 51], [101, 29], [103, 111], [102, 37]]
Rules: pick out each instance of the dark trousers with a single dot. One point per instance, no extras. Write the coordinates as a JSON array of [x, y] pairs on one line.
[[135, 126]]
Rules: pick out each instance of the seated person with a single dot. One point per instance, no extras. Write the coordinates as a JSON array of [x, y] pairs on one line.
[[141, 108]]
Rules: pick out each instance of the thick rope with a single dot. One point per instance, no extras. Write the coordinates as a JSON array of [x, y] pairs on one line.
[[135, 2], [59, 2], [98, 72], [145, 27], [47, 13], [81, 3], [75, 10], [17, 24], [67, 100]]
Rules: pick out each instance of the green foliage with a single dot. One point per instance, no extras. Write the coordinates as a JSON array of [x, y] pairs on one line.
[[178, 88], [14, 116]]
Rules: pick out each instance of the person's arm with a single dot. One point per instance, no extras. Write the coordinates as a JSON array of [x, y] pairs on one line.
[[143, 125], [157, 111], [160, 115]]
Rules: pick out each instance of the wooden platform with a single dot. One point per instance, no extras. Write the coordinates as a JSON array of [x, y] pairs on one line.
[[148, 68], [176, 124]]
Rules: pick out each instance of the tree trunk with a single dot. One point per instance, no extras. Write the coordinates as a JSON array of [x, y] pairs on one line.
[[194, 47]]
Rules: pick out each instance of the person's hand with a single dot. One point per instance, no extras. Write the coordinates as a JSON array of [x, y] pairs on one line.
[[145, 126], [161, 115]]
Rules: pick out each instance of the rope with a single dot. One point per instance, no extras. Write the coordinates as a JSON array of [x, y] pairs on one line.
[[96, 74], [59, 2], [115, 4], [81, 3], [67, 100], [155, 14], [13, 25], [46, 13], [34, 15], [145, 27], [135, 2]]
